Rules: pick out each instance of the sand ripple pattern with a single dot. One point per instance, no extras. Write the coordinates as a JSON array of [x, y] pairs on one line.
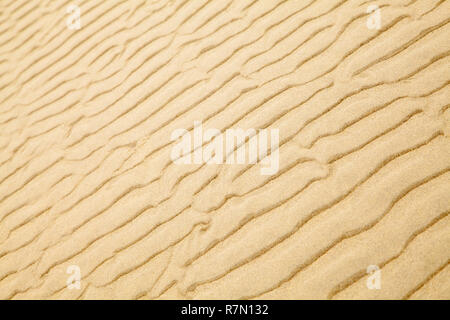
[[86, 177]]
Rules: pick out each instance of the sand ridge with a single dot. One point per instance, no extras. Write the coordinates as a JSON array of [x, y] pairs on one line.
[[87, 183]]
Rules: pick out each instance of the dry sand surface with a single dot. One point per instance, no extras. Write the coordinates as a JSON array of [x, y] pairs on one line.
[[90, 195]]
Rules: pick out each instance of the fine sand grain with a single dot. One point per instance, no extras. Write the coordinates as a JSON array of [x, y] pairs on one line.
[[88, 186]]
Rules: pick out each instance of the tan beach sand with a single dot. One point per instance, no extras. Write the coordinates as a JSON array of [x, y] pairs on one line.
[[87, 183]]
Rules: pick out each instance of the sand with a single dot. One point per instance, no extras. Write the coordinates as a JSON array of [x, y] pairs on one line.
[[93, 207]]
